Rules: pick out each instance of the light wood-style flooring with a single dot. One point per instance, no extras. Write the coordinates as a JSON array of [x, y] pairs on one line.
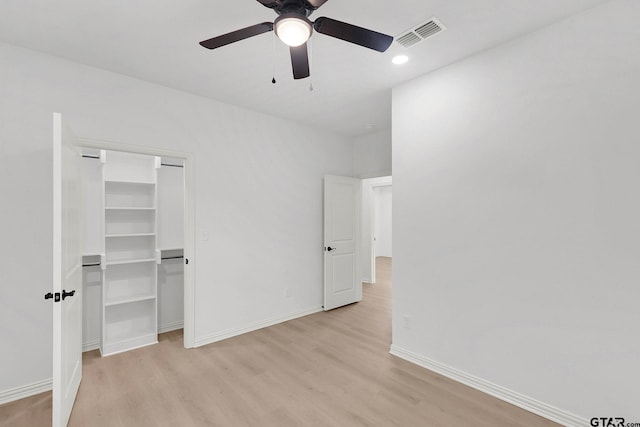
[[327, 369]]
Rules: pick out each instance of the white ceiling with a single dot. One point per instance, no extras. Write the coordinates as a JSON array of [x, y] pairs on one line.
[[157, 41]]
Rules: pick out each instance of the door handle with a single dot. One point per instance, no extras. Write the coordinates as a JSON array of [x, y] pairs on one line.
[[67, 294], [51, 295], [329, 249]]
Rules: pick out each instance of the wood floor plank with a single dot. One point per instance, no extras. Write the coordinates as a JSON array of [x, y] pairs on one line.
[[326, 369]]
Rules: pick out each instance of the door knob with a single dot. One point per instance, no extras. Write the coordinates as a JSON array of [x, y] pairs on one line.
[[329, 249], [67, 294]]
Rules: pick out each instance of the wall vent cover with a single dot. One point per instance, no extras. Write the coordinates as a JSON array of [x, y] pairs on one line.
[[420, 32]]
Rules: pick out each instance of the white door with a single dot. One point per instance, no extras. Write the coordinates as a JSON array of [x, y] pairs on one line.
[[67, 273], [342, 200]]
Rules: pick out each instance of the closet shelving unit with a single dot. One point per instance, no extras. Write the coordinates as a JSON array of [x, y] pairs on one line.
[[131, 255]]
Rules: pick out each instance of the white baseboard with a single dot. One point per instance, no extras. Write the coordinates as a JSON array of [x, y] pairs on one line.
[[91, 345], [168, 327], [540, 408], [209, 339], [18, 393]]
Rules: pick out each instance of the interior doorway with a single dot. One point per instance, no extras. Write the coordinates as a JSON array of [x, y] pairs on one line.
[[377, 227]]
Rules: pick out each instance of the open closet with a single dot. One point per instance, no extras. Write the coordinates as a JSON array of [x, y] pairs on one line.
[[133, 266]]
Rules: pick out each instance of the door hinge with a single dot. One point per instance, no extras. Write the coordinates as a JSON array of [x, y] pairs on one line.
[[56, 296], [186, 260]]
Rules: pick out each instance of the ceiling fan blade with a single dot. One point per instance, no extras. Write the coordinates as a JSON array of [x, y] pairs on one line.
[[353, 34], [269, 3], [300, 61], [315, 3], [237, 35]]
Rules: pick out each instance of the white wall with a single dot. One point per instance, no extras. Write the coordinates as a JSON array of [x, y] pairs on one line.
[[170, 207], [91, 307], [171, 294], [258, 195], [516, 214], [383, 220], [372, 154], [92, 207]]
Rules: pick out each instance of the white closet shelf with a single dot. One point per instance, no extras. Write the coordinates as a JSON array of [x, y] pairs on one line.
[[129, 208], [128, 300], [130, 291], [130, 261], [129, 235]]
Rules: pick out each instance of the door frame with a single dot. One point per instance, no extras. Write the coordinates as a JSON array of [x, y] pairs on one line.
[[189, 218], [369, 223]]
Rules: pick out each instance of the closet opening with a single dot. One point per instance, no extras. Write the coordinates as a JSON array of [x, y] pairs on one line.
[[137, 246]]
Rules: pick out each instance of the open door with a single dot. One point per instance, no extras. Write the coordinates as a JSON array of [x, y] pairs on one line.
[[67, 273], [342, 204]]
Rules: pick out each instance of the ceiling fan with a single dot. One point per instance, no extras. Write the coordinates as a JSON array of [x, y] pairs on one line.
[[294, 28]]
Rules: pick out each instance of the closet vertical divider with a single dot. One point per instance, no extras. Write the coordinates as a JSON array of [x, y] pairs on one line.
[[131, 255], [103, 256]]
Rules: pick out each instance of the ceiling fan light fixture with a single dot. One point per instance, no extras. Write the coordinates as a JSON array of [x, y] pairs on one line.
[[293, 29]]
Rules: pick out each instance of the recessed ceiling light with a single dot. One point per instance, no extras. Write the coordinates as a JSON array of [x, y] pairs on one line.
[[400, 59]]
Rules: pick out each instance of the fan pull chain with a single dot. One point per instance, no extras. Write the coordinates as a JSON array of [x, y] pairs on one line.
[[273, 58]]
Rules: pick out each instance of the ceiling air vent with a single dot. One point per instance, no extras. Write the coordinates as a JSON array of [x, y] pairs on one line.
[[421, 32], [409, 39]]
